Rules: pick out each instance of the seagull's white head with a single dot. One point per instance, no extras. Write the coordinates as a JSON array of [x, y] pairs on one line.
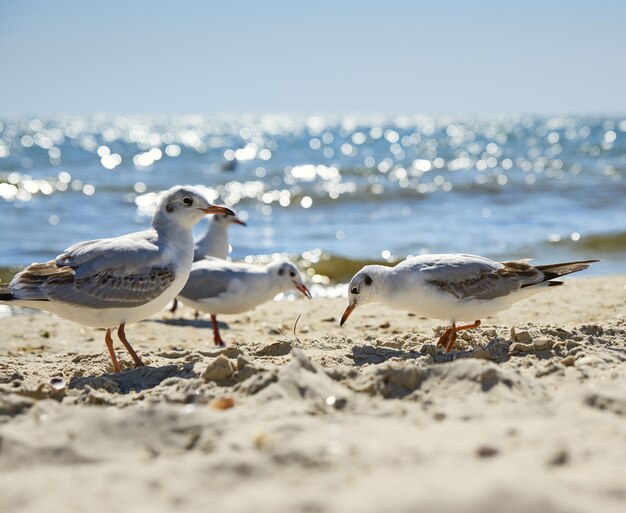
[[185, 206], [361, 290], [287, 277]]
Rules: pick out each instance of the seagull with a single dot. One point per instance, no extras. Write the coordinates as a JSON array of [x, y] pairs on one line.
[[107, 283], [453, 287], [214, 242], [217, 286]]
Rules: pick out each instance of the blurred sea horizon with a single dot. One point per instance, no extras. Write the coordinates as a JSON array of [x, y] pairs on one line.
[[330, 191]]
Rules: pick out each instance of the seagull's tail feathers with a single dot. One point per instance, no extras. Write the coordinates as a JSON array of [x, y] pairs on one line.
[[552, 271], [5, 292]]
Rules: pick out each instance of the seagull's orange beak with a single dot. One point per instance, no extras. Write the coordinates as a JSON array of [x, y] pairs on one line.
[[216, 209], [303, 288], [347, 313], [239, 221]]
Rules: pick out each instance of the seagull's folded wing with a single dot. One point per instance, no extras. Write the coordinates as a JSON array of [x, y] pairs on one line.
[[469, 277], [106, 273], [209, 282], [125, 255]]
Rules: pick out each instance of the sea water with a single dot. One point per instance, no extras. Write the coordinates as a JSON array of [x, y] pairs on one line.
[[330, 191]]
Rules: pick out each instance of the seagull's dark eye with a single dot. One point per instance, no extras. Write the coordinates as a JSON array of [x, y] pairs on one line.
[[187, 201], [292, 274], [354, 290]]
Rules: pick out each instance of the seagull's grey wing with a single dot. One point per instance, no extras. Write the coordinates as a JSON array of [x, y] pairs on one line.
[[479, 278], [49, 282], [107, 273], [209, 282], [121, 256]]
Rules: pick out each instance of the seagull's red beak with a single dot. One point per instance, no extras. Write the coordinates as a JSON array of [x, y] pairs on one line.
[[302, 288], [216, 209], [347, 313], [239, 221]]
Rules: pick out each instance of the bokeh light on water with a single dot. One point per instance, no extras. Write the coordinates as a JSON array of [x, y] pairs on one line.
[[358, 187]]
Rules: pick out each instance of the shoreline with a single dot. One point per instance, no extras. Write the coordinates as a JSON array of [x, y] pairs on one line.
[[328, 268], [528, 412]]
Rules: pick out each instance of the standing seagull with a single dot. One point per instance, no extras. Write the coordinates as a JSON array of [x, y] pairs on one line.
[[220, 287], [453, 287], [107, 283], [214, 242]]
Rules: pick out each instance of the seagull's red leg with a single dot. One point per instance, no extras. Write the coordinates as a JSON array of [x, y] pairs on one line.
[[217, 338], [129, 348], [196, 314], [109, 342], [468, 326], [174, 305], [445, 338], [450, 345], [451, 339]]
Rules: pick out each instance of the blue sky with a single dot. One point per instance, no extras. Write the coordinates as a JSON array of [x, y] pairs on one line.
[[322, 56]]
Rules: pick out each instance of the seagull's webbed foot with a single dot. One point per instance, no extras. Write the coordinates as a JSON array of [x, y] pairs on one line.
[[129, 348], [451, 340], [448, 339], [217, 338]]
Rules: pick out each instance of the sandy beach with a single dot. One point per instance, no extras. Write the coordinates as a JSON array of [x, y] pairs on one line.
[[529, 413], [340, 135]]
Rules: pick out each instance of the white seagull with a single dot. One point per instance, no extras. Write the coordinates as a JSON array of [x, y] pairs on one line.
[[214, 242], [453, 287], [220, 287], [107, 283]]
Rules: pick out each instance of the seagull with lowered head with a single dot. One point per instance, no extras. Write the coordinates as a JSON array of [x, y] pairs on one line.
[[107, 283], [453, 287], [220, 287]]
